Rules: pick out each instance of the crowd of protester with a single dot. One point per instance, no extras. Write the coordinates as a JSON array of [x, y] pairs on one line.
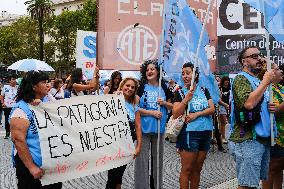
[[146, 103]]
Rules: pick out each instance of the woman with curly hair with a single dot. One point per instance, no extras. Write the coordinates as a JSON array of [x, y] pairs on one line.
[[149, 102], [115, 79], [26, 149]]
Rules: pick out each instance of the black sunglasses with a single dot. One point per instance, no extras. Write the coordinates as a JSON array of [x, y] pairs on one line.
[[254, 56]]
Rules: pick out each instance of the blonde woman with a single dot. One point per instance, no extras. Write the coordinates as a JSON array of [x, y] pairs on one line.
[[128, 88]]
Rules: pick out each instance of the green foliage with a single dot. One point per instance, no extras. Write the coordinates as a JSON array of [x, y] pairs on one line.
[[21, 39], [18, 41], [89, 16], [39, 10]]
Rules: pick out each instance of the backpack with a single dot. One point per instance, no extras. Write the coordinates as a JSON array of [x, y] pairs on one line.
[[247, 118]]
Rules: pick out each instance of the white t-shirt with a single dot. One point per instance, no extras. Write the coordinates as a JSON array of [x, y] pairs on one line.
[[9, 94], [55, 94]]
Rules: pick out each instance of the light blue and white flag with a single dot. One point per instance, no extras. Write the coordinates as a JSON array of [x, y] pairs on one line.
[[274, 16], [181, 30]]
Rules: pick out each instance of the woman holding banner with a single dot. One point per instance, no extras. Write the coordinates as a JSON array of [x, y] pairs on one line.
[[149, 101], [76, 85], [128, 87], [26, 150], [194, 140]]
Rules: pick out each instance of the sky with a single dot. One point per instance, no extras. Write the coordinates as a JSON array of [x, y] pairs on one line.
[[13, 6]]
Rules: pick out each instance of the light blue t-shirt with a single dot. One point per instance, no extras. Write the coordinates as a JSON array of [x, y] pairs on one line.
[[131, 110], [198, 103], [148, 101]]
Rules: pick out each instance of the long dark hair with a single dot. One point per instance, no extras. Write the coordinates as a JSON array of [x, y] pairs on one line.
[[76, 77], [225, 78], [25, 90], [114, 75]]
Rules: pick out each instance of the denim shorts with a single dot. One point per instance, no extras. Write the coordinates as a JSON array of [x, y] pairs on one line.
[[277, 151], [194, 141], [252, 162]]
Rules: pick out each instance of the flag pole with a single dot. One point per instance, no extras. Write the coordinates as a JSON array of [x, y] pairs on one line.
[[159, 95], [267, 45], [199, 42]]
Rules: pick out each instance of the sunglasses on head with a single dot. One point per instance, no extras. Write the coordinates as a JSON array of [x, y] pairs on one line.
[[254, 56]]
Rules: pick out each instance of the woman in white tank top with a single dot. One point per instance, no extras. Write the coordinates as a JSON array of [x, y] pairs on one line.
[[76, 86]]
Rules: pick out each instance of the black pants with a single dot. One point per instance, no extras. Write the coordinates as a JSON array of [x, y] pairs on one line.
[[7, 112], [115, 177], [27, 181]]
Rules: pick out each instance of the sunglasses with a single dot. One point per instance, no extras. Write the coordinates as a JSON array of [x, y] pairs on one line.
[[255, 56]]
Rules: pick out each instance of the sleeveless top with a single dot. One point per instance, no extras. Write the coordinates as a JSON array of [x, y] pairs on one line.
[[32, 138]]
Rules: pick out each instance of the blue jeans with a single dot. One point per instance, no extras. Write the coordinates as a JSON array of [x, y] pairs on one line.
[[252, 162]]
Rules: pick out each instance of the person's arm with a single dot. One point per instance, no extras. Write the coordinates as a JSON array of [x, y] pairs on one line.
[[138, 133], [106, 90], [19, 128], [180, 104], [155, 113], [2, 97], [224, 104], [255, 96], [280, 109], [91, 85], [1, 100], [208, 111], [165, 103]]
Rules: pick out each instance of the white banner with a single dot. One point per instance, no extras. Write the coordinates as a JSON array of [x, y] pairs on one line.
[[237, 17], [82, 136], [86, 52]]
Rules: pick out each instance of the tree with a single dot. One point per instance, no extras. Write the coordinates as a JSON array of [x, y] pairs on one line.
[[89, 15], [39, 10], [18, 41]]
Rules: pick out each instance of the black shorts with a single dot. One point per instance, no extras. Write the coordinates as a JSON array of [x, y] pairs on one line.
[[27, 181], [115, 177], [277, 151]]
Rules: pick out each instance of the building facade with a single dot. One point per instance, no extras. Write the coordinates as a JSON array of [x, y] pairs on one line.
[[7, 19], [66, 5]]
